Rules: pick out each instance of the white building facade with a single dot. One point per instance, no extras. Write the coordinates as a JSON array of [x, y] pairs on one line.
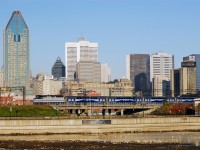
[[79, 51], [105, 73], [46, 85], [160, 66]]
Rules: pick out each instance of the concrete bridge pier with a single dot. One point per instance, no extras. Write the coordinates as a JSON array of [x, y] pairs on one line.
[[103, 112], [69, 111], [122, 112], [109, 111], [73, 111], [78, 112]]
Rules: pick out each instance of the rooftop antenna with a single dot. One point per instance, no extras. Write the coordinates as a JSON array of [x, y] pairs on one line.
[[81, 38]]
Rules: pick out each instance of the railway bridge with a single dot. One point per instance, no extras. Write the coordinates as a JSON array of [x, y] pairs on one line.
[[104, 109], [107, 105]]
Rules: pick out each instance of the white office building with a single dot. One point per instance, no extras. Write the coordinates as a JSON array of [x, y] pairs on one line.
[[160, 66], [46, 85], [105, 73], [79, 51]]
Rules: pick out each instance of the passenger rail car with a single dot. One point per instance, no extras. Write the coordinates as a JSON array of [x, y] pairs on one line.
[[109, 100], [49, 101]]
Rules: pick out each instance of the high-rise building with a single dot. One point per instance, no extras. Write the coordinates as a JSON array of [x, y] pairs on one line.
[[79, 51], [88, 71], [138, 71], [161, 86], [196, 58], [105, 73], [16, 57], [188, 77], [160, 66], [183, 80], [175, 82], [58, 69]]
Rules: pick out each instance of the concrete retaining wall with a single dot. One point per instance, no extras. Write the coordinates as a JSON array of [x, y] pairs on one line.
[[124, 121], [117, 125], [156, 120]]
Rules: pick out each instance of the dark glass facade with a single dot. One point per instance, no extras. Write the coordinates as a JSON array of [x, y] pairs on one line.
[[140, 72], [58, 69]]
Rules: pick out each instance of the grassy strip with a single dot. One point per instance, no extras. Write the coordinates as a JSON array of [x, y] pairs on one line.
[[29, 111]]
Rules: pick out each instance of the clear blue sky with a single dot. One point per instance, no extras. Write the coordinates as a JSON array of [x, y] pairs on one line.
[[120, 27]]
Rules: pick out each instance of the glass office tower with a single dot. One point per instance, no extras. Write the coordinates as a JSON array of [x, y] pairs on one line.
[[16, 53], [138, 71]]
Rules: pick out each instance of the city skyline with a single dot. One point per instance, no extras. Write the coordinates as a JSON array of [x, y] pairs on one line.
[[119, 28]]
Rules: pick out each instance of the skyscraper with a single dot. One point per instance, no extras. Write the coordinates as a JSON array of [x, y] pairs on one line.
[[58, 69], [196, 58], [16, 57], [88, 71], [188, 77], [175, 82], [79, 51], [138, 71], [160, 64]]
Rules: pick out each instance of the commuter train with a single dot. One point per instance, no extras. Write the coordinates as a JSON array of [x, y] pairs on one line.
[[115, 99], [109, 100]]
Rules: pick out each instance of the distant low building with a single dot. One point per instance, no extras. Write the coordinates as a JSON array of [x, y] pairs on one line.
[[46, 85], [9, 96], [122, 88]]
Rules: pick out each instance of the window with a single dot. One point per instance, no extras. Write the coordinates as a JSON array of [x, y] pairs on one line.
[[17, 38]]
